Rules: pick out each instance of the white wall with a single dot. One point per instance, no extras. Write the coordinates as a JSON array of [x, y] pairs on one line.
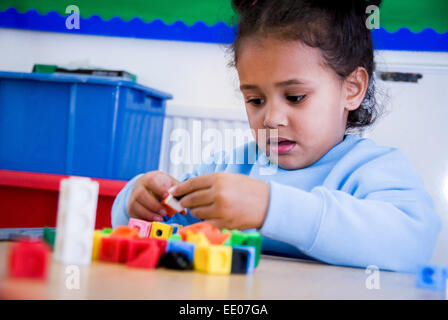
[[198, 77], [196, 74], [416, 120]]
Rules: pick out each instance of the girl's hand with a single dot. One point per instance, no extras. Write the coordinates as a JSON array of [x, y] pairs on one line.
[[144, 199], [225, 200]]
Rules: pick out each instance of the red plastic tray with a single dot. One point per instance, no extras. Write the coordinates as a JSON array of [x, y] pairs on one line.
[[30, 200]]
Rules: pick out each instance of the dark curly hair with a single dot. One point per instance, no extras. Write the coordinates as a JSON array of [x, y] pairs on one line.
[[338, 28]]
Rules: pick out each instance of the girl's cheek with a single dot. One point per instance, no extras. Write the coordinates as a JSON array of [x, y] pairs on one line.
[[256, 118]]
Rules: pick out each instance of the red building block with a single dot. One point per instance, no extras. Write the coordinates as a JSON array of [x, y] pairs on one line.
[[29, 259], [137, 246], [114, 249], [161, 243], [148, 259]]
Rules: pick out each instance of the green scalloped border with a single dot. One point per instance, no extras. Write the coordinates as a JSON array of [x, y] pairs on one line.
[[169, 11], [415, 15]]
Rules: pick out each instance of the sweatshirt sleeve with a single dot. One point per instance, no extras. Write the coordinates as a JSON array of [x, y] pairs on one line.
[[119, 214], [382, 216]]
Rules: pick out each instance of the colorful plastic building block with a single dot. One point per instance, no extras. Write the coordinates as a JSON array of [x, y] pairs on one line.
[[29, 259], [97, 236], [176, 227], [114, 249], [172, 205], [162, 244], [49, 236], [125, 232], [213, 235], [175, 237], [213, 259], [254, 239], [217, 237], [137, 246], [196, 228], [160, 230], [182, 246], [243, 259], [198, 239], [107, 230], [144, 227], [147, 259], [238, 237], [176, 260], [431, 277], [78, 198]]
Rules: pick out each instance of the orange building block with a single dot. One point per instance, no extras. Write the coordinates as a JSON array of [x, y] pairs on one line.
[[125, 232], [195, 227], [213, 235]]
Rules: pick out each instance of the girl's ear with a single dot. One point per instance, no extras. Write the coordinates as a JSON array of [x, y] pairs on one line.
[[355, 86]]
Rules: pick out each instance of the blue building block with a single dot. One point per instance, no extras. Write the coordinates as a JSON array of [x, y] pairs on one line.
[[431, 277], [181, 246], [175, 227], [243, 259]]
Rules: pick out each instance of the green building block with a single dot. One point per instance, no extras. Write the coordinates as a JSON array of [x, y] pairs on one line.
[[228, 242], [175, 237], [238, 237], [254, 239], [107, 230], [49, 236]]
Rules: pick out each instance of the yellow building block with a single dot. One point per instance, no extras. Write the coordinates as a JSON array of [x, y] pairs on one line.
[[213, 259], [97, 235], [160, 230], [198, 239]]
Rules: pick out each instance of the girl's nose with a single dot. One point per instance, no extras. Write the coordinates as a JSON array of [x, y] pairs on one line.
[[274, 117]]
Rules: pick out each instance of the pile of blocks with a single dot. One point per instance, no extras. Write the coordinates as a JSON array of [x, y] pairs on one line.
[[198, 247], [140, 244]]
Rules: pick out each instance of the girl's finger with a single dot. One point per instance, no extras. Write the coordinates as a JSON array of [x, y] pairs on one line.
[[147, 199], [197, 199], [216, 223], [140, 212], [192, 184], [158, 183], [204, 212]]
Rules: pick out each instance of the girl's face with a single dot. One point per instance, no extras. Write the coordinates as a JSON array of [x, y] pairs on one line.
[[287, 86]]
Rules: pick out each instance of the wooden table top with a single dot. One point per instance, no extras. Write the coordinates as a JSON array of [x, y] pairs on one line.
[[275, 278]]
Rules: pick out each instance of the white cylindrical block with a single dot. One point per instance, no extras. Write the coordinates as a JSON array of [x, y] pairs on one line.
[[78, 198]]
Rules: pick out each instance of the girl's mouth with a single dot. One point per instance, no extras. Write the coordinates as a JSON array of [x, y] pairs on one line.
[[281, 145]]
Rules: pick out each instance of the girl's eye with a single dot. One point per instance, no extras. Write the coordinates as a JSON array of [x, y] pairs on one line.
[[255, 101], [295, 99]]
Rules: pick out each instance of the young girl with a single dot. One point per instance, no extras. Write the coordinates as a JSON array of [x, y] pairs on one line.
[[306, 70]]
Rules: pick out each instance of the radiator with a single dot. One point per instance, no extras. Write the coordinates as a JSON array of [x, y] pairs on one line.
[[195, 122]]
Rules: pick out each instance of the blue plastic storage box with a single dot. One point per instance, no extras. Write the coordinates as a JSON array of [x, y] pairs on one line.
[[79, 125]]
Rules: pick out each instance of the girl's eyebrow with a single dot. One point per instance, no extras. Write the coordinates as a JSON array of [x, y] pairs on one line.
[[278, 84]]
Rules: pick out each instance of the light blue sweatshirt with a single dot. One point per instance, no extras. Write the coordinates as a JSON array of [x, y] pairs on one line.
[[361, 204]]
